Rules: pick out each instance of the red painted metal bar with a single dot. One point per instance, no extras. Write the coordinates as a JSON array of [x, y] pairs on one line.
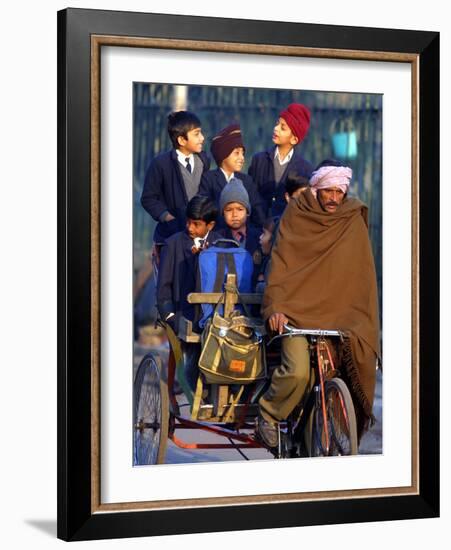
[[185, 445], [323, 395], [183, 427], [197, 424], [171, 377], [330, 356]]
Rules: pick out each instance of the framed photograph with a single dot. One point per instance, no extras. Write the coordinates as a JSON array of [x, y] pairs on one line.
[[372, 101]]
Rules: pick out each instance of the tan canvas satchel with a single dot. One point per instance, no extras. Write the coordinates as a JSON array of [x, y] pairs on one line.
[[232, 350]]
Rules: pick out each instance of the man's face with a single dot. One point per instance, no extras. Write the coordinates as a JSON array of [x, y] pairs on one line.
[[330, 198], [282, 134], [235, 215], [234, 162], [198, 228], [192, 143]]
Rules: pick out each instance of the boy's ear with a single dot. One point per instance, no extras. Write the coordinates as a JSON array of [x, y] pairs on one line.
[[181, 140], [211, 225], [287, 197], [294, 140]]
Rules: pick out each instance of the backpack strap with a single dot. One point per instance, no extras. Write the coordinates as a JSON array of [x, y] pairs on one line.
[[231, 265], [220, 272]]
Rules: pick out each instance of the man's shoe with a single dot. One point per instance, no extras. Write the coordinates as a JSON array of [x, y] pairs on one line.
[[268, 432]]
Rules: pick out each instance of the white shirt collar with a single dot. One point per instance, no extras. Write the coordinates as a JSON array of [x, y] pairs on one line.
[[197, 240], [286, 159], [182, 158], [228, 178]]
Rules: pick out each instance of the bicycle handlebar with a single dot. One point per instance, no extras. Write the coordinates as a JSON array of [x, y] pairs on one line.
[[291, 331]]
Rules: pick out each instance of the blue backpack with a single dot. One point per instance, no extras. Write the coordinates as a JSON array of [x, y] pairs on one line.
[[215, 263]]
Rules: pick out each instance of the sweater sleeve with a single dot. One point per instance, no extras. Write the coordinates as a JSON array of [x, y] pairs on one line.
[[152, 198], [258, 211]]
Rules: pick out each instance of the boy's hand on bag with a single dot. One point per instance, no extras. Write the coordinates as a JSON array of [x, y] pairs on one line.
[[277, 321]]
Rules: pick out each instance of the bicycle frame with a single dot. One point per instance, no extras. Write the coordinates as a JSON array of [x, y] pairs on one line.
[[324, 364]]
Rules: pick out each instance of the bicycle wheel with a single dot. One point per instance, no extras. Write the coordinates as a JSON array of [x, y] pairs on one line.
[[150, 414], [341, 422], [318, 437]]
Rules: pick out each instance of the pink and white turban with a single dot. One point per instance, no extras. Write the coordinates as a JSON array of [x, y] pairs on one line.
[[331, 176]]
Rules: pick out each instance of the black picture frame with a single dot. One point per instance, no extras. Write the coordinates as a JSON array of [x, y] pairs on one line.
[[78, 518]]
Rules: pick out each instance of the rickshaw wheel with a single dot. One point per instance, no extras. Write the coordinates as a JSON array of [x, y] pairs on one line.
[[150, 414], [341, 422]]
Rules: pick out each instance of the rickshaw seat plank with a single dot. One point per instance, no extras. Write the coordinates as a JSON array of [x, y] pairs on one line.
[[218, 297]]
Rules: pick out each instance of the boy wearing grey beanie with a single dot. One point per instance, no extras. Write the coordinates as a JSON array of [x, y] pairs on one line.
[[234, 191], [235, 208]]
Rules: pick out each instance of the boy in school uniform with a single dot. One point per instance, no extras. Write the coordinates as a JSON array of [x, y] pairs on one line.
[[177, 276], [295, 185], [236, 209], [173, 177], [178, 262], [269, 169], [228, 150]]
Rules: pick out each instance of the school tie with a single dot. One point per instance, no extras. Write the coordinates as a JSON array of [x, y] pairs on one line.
[[188, 165], [200, 246]]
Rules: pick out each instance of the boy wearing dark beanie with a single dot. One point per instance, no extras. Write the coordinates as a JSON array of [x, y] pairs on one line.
[[228, 150], [269, 168]]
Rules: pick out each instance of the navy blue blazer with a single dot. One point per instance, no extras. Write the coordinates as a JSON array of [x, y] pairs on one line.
[[164, 190], [262, 172], [177, 275], [214, 181]]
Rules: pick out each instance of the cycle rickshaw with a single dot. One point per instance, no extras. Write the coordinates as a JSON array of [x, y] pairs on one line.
[[157, 414]]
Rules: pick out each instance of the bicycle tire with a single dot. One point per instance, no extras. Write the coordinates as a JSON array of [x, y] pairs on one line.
[[341, 421], [150, 414]]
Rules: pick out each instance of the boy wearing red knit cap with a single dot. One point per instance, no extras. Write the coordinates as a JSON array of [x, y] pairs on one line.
[[228, 150], [269, 169]]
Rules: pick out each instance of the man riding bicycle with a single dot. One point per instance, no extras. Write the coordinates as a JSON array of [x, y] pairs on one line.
[[322, 275]]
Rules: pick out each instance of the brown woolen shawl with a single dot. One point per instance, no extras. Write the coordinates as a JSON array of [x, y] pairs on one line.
[[322, 275]]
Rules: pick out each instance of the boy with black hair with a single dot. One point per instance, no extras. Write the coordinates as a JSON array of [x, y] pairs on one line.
[[269, 169], [178, 263], [173, 177], [295, 185], [228, 150]]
